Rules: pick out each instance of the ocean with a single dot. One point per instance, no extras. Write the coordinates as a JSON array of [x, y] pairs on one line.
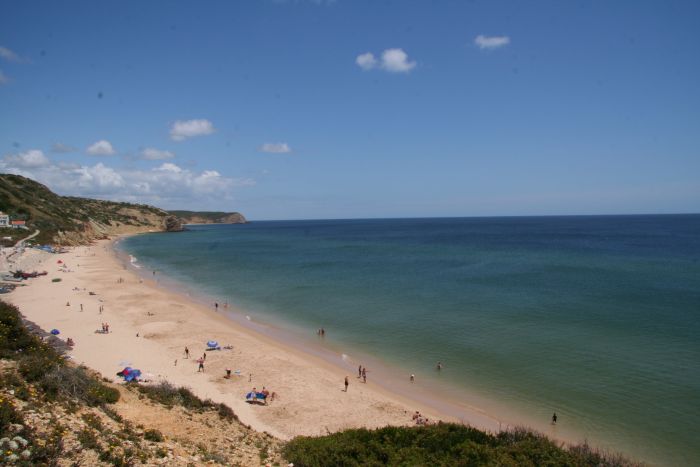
[[596, 318]]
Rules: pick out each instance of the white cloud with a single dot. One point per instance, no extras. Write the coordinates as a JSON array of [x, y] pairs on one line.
[[31, 159], [366, 61], [153, 154], [492, 42], [3, 79], [275, 148], [166, 186], [98, 178], [168, 167], [9, 55], [396, 60], [101, 148], [181, 130], [393, 60], [61, 148]]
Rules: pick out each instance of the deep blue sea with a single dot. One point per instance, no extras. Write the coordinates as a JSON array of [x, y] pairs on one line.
[[594, 317]]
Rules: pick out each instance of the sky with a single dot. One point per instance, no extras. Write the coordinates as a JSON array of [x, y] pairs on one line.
[[304, 109]]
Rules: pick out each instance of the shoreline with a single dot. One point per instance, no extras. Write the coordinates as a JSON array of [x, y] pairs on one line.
[[150, 327], [290, 336], [327, 352], [388, 377], [308, 384], [447, 401]]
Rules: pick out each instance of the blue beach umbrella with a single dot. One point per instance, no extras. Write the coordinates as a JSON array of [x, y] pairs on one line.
[[55, 332], [212, 344]]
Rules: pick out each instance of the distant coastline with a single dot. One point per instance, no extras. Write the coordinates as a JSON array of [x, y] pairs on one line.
[[209, 217]]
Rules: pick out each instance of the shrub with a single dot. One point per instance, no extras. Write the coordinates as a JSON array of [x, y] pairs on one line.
[[441, 444], [93, 421], [169, 395], [49, 452], [153, 435], [226, 412], [88, 440], [77, 383], [8, 416], [111, 413], [35, 366], [15, 340]]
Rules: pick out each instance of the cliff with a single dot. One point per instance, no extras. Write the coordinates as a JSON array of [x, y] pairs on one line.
[[68, 220], [210, 217]]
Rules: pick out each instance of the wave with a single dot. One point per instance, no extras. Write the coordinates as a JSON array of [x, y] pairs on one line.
[[133, 260]]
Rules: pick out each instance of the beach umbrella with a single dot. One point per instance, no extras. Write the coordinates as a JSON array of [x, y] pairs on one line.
[[55, 332], [212, 344]]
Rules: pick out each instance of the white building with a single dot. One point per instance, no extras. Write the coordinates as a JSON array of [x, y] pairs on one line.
[[4, 220]]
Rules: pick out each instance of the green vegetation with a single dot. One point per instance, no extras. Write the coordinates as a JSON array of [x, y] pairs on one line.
[[444, 444], [42, 376], [43, 366], [169, 395], [54, 413], [153, 435], [83, 219], [33, 202]]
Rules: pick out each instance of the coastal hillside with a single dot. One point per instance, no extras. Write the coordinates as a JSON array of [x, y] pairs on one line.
[[209, 217], [53, 412], [68, 220]]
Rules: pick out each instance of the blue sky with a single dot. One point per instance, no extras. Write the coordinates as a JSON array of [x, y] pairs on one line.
[[316, 109]]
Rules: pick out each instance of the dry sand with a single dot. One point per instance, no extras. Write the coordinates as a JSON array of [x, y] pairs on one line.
[[310, 396]]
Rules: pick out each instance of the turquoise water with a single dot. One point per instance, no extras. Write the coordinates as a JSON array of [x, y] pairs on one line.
[[594, 317]]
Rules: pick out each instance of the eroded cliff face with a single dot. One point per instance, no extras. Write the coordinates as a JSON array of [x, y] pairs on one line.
[[93, 230], [173, 224], [230, 218]]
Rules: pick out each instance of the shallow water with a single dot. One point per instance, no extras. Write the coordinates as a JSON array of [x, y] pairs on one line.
[[594, 317]]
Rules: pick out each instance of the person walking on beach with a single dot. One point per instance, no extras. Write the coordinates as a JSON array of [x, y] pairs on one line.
[[201, 365], [554, 418], [81, 307], [346, 384], [187, 352], [364, 375], [204, 356], [359, 371], [216, 306]]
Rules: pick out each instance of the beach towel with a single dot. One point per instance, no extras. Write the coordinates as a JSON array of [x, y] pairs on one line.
[[255, 395]]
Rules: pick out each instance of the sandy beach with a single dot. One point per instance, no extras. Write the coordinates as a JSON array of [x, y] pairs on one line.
[[150, 326]]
